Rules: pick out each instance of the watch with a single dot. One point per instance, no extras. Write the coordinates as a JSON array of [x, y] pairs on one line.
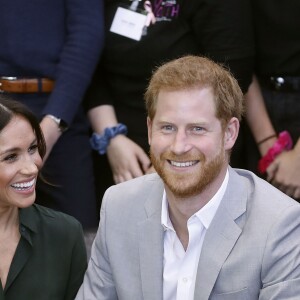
[[61, 124]]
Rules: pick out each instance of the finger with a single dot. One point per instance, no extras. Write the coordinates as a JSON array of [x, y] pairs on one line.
[[297, 193], [271, 171], [136, 170], [278, 185], [127, 176], [290, 191], [144, 161], [146, 167], [117, 179]]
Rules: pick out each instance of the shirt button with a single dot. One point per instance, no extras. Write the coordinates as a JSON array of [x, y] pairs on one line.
[[23, 229], [185, 280]]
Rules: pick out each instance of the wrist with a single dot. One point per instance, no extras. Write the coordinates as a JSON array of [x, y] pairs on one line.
[[263, 148], [61, 124], [267, 139], [100, 142], [284, 142]]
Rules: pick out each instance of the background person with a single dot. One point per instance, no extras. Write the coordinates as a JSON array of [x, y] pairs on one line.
[[198, 229], [42, 252], [277, 69]]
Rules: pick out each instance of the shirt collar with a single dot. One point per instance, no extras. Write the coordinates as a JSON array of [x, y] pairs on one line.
[[28, 218], [165, 219], [205, 214]]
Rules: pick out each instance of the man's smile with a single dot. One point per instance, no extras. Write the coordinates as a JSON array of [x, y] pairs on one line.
[[183, 164]]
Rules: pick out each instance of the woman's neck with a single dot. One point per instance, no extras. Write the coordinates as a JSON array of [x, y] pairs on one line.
[[9, 220]]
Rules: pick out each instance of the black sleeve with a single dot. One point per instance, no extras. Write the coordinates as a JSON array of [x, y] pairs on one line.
[[98, 92], [224, 33]]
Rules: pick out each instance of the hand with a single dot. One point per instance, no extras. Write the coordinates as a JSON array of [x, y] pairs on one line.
[[284, 173], [51, 134], [127, 159]]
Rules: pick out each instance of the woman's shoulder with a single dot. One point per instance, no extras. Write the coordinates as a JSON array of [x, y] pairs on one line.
[[51, 218]]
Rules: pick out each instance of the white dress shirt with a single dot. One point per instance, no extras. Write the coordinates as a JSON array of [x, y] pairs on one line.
[[180, 266]]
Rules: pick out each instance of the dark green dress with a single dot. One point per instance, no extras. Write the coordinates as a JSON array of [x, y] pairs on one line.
[[50, 259]]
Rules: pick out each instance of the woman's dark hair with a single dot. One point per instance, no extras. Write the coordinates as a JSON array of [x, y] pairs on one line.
[[10, 108]]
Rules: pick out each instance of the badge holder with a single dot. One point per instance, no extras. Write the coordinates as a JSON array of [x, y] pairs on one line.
[[132, 22]]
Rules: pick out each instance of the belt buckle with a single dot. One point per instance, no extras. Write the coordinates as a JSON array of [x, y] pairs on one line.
[[278, 82], [10, 78]]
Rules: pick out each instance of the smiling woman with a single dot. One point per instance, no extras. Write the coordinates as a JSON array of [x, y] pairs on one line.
[[33, 239]]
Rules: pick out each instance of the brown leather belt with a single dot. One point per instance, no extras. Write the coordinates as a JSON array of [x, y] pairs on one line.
[[26, 85]]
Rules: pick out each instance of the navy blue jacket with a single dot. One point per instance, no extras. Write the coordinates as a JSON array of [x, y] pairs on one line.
[[58, 39]]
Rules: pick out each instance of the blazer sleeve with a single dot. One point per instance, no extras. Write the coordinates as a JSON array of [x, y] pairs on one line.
[[98, 282], [78, 263], [281, 262]]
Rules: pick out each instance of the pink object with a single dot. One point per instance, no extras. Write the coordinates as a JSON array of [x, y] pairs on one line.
[[284, 142]]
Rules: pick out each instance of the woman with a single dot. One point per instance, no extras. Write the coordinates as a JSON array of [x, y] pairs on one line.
[[42, 252]]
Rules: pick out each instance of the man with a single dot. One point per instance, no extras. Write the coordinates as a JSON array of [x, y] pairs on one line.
[[198, 229], [48, 55]]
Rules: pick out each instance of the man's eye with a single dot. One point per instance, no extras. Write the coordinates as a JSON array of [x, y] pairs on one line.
[[197, 129], [167, 127]]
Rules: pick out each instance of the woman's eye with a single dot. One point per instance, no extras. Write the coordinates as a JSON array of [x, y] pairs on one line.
[[10, 157], [33, 148]]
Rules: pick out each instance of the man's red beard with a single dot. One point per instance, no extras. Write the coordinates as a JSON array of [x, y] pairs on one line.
[[188, 184]]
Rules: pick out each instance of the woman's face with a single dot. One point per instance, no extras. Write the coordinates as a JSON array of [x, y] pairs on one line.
[[19, 164]]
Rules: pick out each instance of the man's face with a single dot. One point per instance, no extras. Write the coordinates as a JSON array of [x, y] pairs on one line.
[[187, 143]]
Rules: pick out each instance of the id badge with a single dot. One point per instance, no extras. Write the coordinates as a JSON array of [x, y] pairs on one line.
[[129, 23]]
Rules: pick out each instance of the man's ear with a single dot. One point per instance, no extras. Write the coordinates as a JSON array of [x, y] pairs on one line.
[[231, 133], [149, 126]]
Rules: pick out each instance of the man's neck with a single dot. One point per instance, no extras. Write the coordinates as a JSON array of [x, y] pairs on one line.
[[181, 209]]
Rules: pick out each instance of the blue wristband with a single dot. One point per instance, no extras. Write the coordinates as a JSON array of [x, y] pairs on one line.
[[100, 142]]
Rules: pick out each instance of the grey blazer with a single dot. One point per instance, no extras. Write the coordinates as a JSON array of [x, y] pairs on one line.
[[251, 249]]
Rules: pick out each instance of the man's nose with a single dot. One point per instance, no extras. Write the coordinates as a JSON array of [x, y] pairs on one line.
[[181, 142]]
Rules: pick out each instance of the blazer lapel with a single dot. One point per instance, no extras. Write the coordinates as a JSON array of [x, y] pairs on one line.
[[151, 247], [221, 236]]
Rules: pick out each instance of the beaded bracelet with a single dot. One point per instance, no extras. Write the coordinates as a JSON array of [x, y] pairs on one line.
[[284, 142], [101, 142]]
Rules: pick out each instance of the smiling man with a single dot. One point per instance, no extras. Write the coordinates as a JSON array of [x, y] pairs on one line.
[[187, 144], [197, 229]]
